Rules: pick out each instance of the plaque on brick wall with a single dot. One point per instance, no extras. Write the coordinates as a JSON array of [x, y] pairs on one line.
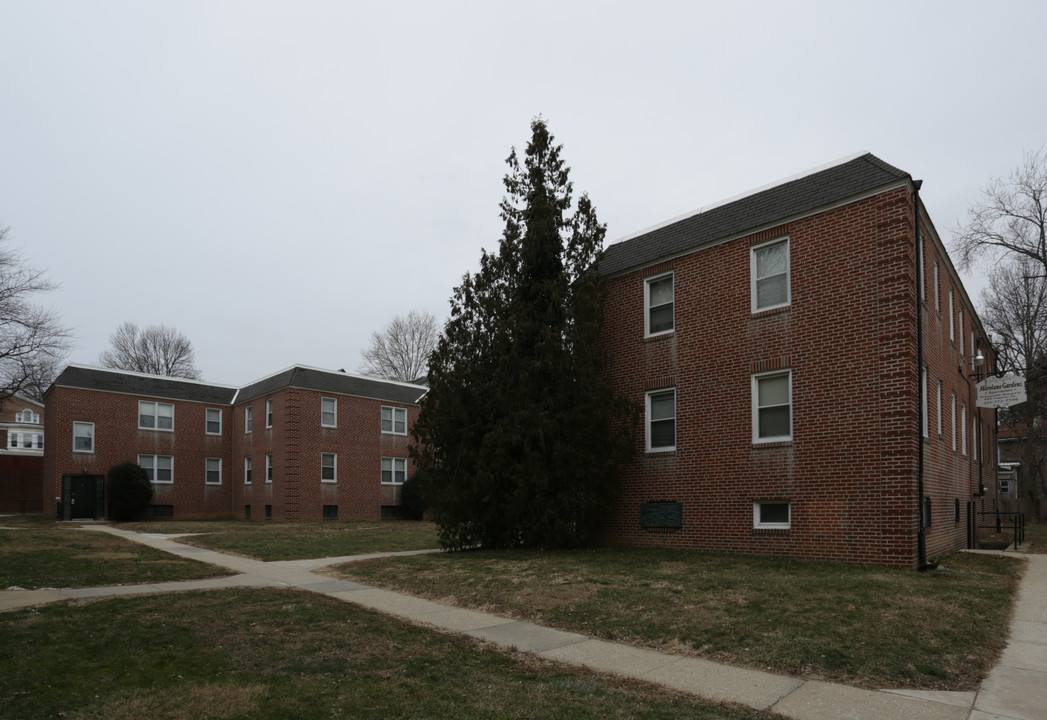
[[661, 515]]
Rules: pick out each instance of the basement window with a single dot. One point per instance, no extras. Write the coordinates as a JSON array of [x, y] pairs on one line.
[[772, 514]]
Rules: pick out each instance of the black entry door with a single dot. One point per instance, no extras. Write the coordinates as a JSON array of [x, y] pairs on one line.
[[83, 497]]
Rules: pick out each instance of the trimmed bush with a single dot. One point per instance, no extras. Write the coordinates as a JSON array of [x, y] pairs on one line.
[[129, 492], [412, 496]]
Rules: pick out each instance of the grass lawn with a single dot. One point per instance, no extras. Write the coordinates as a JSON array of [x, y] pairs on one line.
[[299, 540], [1035, 538], [873, 627], [41, 554], [276, 654]]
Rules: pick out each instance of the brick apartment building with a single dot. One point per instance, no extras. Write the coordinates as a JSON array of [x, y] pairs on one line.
[[803, 356], [301, 444], [21, 454], [794, 367]]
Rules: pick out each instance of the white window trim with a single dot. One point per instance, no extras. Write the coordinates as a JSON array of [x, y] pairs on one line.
[[952, 317], [207, 475], [91, 436], [939, 408], [268, 413], [961, 331], [394, 461], [248, 419], [394, 410], [268, 468], [937, 294], [954, 422], [788, 273], [963, 428], [248, 467], [206, 421], [333, 480], [647, 305], [787, 525], [647, 420], [756, 407], [925, 419], [156, 415], [156, 469], [334, 412]]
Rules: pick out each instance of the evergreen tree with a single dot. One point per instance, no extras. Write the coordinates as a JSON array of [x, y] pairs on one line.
[[520, 435]]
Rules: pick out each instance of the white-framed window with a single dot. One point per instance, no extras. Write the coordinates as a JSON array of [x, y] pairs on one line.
[[155, 415], [661, 420], [329, 412], [769, 271], [213, 421], [963, 428], [248, 418], [772, 406], [923, 269], [394, 420], [328, 467], [772, 514], [27, 416], [83, 437], [961, 330], [924, 419], [939, 408], [394, 470], [213, 471], [12, 439], [269, 412], [159, 468], [658, 301], [268, 467], [937, 294], [247, 470], [954, 422], [952, 317]]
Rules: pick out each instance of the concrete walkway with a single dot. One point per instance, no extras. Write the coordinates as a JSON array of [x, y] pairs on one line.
[[1015, 690]]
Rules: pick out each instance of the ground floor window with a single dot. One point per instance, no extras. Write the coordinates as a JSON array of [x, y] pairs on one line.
[[159, 468], [775, 514]]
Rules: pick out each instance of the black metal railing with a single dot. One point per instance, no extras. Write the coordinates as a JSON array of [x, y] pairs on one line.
[[1006, 528]]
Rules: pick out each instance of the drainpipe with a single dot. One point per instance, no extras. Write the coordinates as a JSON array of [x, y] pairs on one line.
[[921, 535]]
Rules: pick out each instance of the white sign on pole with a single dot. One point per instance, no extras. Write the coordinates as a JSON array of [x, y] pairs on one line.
[[998, 392]]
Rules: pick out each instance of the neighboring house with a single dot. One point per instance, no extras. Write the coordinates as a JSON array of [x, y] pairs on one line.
[[1023, 462], [800, 381], [21, 454], [301, 444]]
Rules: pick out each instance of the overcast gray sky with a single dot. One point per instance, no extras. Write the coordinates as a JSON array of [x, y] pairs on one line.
[[278, 179]]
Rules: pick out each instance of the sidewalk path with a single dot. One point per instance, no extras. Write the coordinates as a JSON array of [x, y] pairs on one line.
[[1015, 690]]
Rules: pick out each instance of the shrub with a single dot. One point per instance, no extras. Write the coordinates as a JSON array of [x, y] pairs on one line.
[[129, 492], [412, 496]]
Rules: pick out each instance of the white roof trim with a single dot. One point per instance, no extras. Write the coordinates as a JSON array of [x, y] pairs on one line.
[[735, 198]]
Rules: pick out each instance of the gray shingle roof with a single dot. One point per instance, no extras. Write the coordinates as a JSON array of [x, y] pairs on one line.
[[129, 383], [334, 382], [763, 208]]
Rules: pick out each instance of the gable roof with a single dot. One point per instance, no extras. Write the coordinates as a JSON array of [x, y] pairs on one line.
[[300, 376], [772, 205], [85, 377], [125, 382]]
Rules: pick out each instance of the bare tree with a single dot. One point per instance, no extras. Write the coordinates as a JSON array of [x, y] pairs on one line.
[[31, 337], [1014, 310], [156, 350], [401, 351], [1010, 218]]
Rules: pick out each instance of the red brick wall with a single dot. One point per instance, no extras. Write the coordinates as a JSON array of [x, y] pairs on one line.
[[849, 338], [118, 439], [297, 440]]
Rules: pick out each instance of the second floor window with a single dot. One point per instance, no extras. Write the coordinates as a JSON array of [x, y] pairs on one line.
[[661, 421], [214, 421], [155, 415], [329, 412], [394, 420], [770, 275], [213, 470], [247, 471], [772, 407], [328, 467], [268, 467], [84, 437], [658, 302]]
